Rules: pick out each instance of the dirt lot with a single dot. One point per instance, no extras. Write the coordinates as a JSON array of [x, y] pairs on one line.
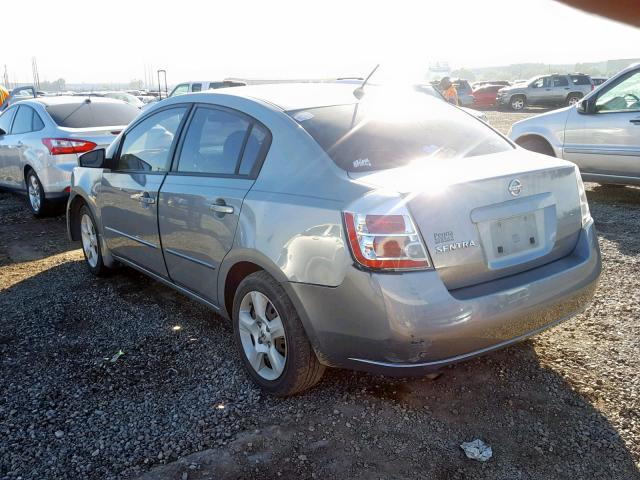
[[176, 404]]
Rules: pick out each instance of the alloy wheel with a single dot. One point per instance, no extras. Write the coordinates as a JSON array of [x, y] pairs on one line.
[[517, 104], [262, 335], [34, 193], [89, 240], [573, 100]]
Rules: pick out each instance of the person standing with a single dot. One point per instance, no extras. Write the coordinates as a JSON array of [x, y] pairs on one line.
[[4, 95], [449, 91]]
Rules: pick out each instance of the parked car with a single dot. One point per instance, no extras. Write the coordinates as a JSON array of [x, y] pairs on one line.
[[434, 92], [18, 94], [125, 97], [191, 87], [437, 238], [485, 96], [484, 83], [598, 80], [40, 140], [465, 92], [546, 90], [600, 134]]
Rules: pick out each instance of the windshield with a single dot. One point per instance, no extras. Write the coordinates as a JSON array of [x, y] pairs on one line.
[[372, 136]]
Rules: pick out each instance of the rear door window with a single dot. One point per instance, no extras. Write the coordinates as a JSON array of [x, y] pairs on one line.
[[196, 87], [24, 120], [213, 143], [92, 114], [560, 82]]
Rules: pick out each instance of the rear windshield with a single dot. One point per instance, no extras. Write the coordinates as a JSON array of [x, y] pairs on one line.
[[92, 114], [364, 137]]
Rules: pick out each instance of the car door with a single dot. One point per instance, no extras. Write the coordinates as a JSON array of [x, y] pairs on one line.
[[607, 140], [539, 91], [8, 152], [201, 197], [559, 90], [129, 192]]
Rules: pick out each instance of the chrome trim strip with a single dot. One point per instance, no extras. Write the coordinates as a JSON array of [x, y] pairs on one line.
[[168, 283], [139, 240], [191, 259], [603, 151]]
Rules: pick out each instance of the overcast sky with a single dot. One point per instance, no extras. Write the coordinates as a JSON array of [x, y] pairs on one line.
[[113, 42]]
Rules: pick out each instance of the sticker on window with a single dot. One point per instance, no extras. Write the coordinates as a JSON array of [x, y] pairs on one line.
[[361, 162], [302, 116]]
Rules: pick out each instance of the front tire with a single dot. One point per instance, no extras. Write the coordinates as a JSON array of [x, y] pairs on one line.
[[517, 103], [91, 242], [270, 338]]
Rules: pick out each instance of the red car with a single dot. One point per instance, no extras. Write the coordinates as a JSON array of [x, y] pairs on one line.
[[485, 96]]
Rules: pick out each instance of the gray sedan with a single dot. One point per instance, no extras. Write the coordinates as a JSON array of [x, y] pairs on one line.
[[601, 133], [393, 234], [40, 140]]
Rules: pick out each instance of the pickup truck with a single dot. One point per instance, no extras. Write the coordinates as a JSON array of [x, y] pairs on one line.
[[17, 94]]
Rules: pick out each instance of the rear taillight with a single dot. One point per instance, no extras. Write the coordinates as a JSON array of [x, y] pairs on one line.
[[385, 242], [62, 146]]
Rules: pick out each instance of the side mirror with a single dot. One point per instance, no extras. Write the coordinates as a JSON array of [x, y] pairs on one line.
[[585, 107], [94, 159], [2, 132]]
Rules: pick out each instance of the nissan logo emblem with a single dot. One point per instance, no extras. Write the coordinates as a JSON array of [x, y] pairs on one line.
[[515, 187]]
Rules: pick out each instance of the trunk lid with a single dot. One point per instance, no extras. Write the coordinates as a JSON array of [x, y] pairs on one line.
[[489, 216], [101, 136]]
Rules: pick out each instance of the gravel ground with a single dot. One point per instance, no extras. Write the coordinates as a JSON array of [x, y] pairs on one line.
[[176, 404]]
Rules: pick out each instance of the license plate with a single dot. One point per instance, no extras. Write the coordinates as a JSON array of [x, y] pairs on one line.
[[514, 235]]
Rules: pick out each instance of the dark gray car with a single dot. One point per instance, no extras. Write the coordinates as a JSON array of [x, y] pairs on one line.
[[546, 91], [395, 234]]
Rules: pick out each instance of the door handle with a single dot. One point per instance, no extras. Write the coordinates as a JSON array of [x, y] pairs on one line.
[[221, 207], [143, 197], [567, 88], [20, 143], [635, 121]]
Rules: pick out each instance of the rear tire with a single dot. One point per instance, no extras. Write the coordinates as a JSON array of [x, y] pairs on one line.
[[36, 199], [573, 98], [537, 145], [283, 363]]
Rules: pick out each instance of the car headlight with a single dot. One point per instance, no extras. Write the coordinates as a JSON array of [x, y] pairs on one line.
[[584, 204]]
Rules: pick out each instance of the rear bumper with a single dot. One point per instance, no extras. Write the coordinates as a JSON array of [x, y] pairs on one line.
[[408, 324]]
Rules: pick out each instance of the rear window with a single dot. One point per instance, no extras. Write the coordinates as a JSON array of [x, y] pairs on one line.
[[372, 136], [89, 114], [580, 80]]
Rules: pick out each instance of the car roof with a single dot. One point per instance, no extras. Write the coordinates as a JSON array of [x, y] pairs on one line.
[[294, 96]]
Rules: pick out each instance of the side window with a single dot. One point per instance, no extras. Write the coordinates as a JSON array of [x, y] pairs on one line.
[[196, 87], [147, 146], [38, 124], [24, 120], [580, 80], [5, 119], [254, 150], [623, 96], [539, 83], [560, 82], [213, 142], [180, 90]]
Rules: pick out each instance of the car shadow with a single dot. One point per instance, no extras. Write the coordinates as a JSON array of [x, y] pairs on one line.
[[25, 238], [60, 327], [615, 208]]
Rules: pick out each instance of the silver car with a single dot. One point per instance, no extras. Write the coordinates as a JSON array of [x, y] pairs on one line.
[[40, 140], [601, 134], [394, 235]]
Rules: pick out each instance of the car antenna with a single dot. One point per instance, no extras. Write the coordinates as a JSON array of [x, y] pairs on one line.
[[359, 92]]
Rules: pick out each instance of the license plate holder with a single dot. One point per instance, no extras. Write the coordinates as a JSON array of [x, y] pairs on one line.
[[514, 235]]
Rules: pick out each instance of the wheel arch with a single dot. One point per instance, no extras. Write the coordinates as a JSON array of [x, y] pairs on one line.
[[538, 138], [73, 211], [236, 266]]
